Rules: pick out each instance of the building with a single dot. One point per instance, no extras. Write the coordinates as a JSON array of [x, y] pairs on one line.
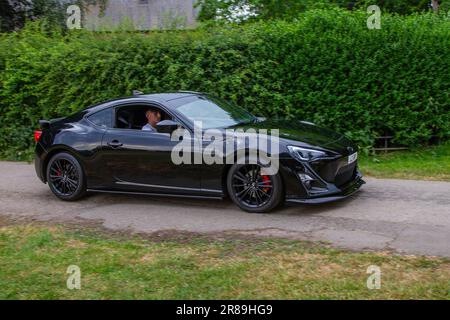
[[141, 14]]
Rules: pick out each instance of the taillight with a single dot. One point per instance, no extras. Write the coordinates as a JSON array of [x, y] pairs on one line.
[[37, 135]]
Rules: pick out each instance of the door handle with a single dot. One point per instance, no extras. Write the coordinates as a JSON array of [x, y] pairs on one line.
[[115, 144]]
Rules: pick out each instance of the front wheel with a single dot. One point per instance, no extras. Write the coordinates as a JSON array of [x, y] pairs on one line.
[[253, 192], [65, 177]]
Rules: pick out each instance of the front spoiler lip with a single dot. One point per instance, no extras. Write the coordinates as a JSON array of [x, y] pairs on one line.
[[349, 190]]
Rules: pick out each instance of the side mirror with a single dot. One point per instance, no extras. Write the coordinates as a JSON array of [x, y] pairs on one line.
[[167, 126]]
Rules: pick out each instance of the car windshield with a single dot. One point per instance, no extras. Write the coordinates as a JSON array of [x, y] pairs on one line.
[[212, 112]]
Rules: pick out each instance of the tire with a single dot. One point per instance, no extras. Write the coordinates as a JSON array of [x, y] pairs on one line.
[[65, 177], [253, 192]]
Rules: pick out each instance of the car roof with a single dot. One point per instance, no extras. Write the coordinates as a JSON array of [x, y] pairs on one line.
[[162, 98]]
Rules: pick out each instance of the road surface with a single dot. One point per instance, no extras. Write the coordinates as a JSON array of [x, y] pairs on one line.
[[411, 217]]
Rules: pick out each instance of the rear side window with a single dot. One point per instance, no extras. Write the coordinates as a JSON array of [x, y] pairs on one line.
[[102, 119]]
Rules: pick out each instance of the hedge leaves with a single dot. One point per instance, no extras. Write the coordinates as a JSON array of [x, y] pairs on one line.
[[326, 67]]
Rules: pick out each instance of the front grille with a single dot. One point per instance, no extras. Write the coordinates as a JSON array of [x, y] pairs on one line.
[[345, 174], [338, 172]]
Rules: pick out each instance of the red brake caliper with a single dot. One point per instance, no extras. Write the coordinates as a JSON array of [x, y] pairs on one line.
[[266, 181]]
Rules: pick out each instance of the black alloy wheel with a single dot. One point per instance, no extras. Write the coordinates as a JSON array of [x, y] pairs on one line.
[[65, 177], [253, 191]]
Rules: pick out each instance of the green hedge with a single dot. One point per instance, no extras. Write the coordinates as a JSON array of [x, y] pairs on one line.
[[327, 67]]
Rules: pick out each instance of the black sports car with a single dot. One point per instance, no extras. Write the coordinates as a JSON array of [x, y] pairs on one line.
[[105, 149]]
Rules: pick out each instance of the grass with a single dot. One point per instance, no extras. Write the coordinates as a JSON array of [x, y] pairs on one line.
[[34, 260], [431, 163]]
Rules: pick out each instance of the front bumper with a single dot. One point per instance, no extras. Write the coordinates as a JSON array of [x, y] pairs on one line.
[[332, 180], [336, 195]]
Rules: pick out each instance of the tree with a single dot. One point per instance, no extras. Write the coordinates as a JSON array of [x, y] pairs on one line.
[[402, 7], [248, 10], [12, 14]]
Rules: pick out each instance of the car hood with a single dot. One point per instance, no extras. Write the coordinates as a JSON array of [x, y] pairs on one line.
[[305, 134]]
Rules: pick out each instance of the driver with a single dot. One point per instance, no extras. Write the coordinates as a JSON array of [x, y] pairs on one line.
[[153, 117]]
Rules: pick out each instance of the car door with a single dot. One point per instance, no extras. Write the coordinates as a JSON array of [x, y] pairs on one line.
[[141, 161]]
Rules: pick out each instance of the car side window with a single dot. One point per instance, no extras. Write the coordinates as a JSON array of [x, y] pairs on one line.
[[102, 119], [134, 116]]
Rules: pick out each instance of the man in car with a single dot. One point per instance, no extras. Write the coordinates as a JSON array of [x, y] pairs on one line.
[[153, 117]]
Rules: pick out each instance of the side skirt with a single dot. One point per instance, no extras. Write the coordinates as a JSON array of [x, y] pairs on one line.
[[157, 194]]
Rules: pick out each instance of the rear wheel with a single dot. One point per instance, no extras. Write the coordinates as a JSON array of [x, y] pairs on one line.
[[65, 177], [252, 191]]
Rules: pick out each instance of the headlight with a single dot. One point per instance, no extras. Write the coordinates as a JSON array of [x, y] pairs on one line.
[[304, 154]]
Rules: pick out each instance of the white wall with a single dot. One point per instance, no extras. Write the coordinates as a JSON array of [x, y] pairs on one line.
[[156, 14]]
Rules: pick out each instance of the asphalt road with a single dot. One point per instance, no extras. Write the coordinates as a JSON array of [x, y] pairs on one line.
[[411, 217]]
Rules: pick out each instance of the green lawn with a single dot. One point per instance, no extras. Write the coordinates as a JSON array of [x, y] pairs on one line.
[[432, 163], [34, 260]]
